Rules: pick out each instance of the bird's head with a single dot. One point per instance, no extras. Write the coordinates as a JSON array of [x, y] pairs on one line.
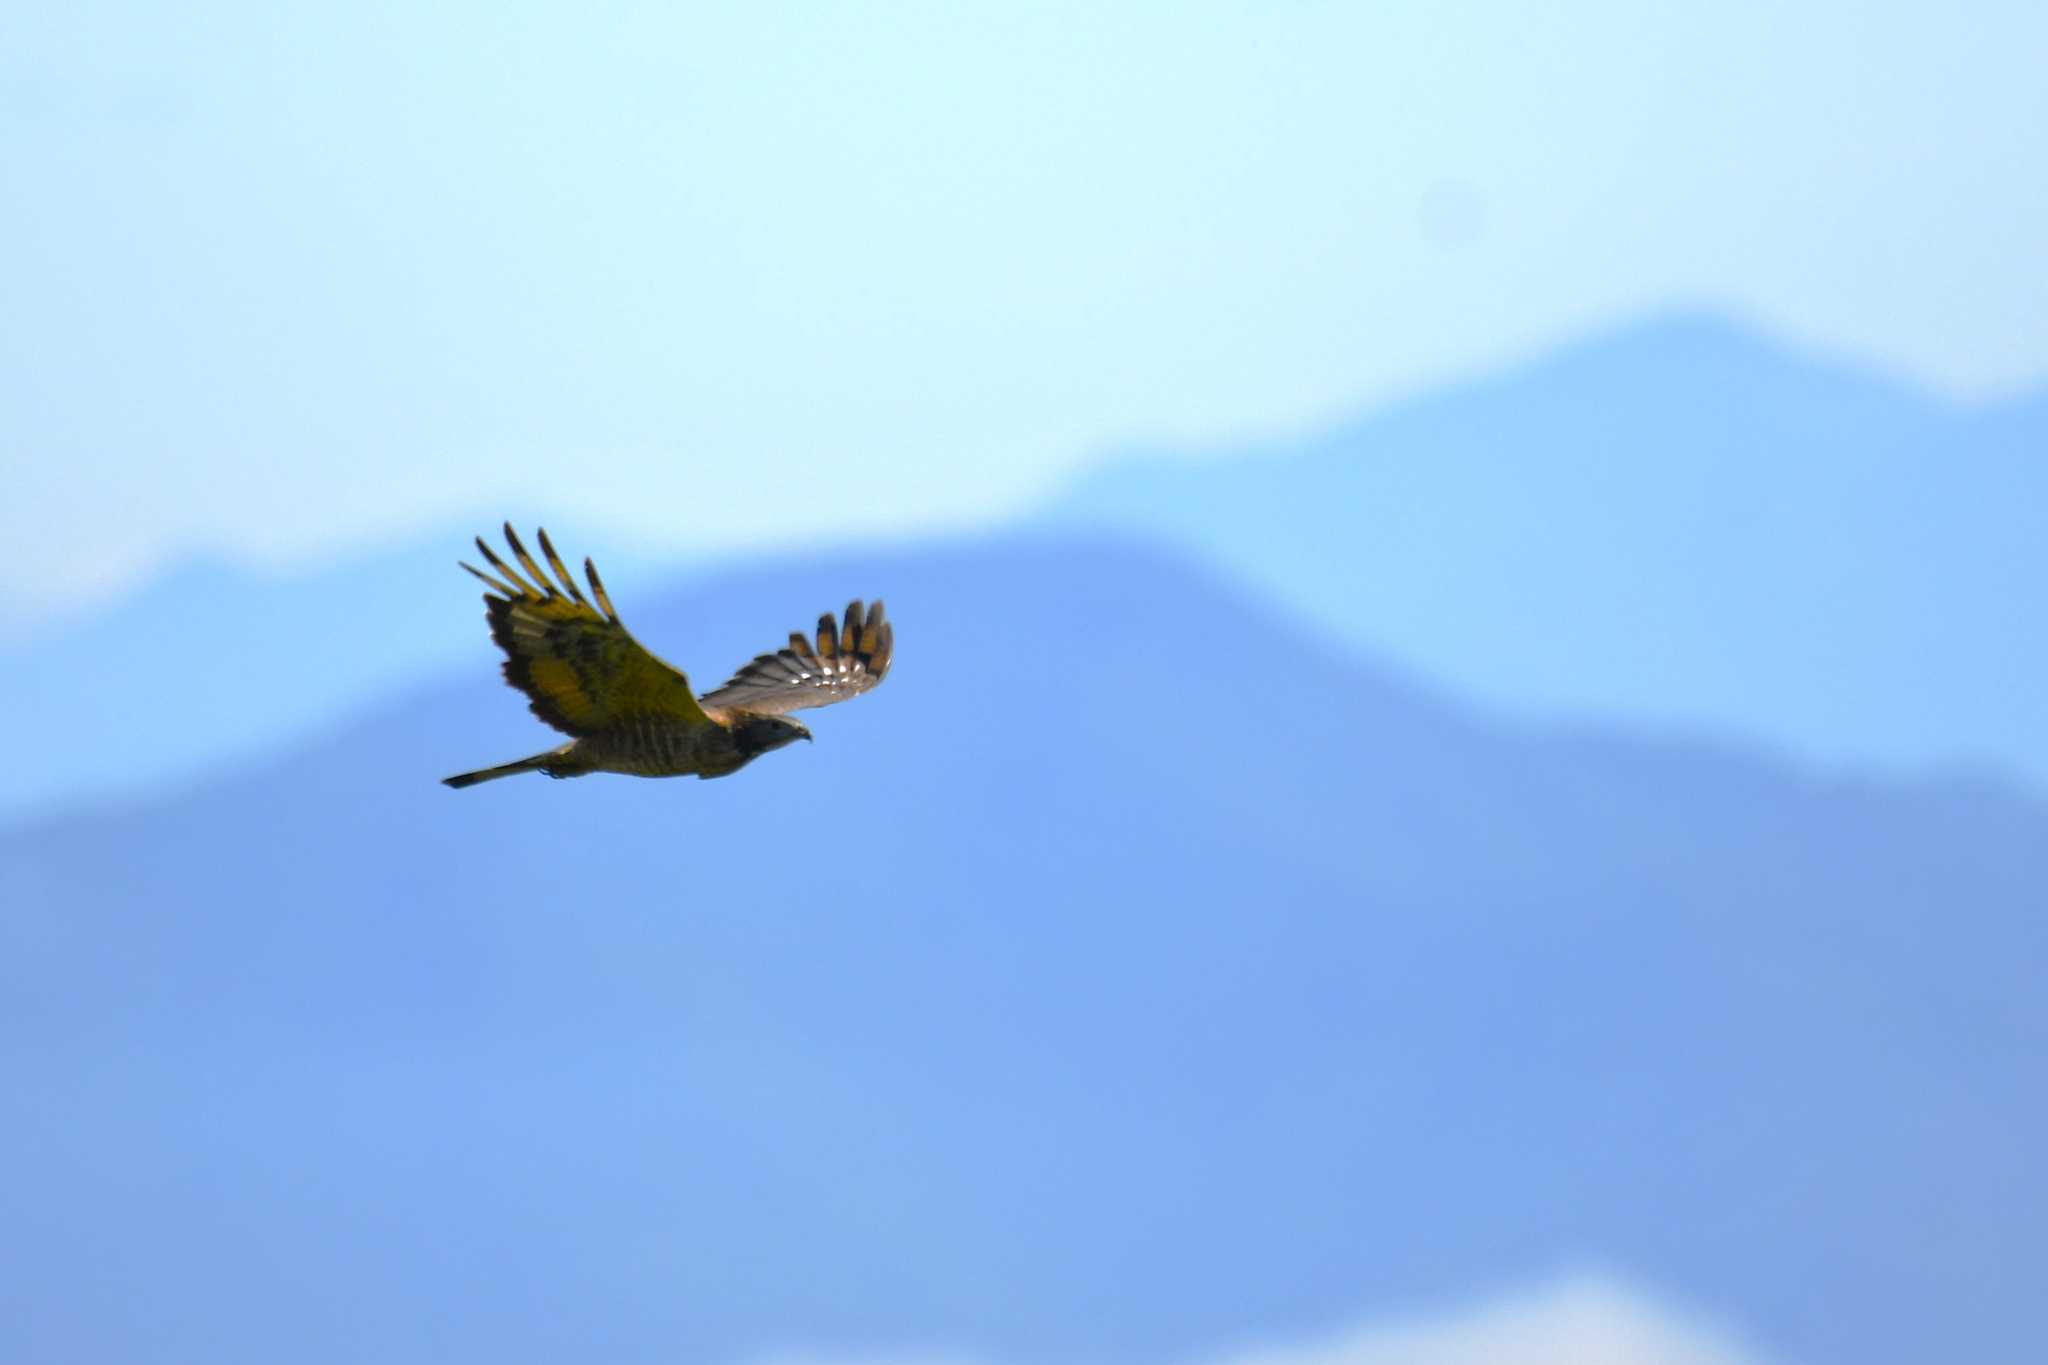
[[757, 734]]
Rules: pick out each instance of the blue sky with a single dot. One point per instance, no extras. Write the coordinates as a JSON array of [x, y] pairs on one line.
[[281, 282]]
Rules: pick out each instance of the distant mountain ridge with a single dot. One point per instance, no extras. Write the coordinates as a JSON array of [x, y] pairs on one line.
[[1124, 976], [1679, 525], [1675, 525], [211, 666]]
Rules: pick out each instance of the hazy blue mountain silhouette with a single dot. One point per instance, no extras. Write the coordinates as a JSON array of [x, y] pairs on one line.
[[1677, 523], [1124, 979], [211, 665]]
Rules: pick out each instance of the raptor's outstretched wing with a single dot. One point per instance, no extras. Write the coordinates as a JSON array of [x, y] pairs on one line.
[[580, 667], [847, 660]]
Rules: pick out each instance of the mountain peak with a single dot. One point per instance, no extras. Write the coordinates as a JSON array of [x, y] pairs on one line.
[[1680, 522]]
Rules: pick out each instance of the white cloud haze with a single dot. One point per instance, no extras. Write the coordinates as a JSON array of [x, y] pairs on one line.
[[1582, 1320]]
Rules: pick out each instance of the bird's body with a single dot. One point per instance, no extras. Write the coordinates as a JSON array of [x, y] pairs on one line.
[[629, 712], [653, 747], [644, 746]]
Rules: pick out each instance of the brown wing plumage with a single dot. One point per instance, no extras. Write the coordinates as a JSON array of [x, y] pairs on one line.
[[578, 665], [846, 661]]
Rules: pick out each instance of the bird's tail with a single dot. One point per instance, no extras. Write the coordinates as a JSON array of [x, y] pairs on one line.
[[540, 763]]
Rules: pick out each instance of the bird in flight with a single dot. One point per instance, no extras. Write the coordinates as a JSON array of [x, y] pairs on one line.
[[627, 711]]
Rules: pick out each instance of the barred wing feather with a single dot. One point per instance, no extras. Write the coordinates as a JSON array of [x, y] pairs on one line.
[[848, 658]]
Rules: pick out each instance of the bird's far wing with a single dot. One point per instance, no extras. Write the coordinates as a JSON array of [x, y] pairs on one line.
[[578, 665], [846, 661]]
